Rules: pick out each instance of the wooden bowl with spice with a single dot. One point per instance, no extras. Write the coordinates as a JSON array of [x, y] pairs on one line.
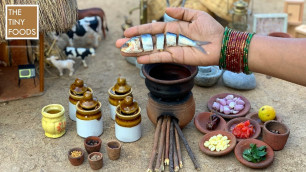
[[217, 143], [205, 122], [76, 156]]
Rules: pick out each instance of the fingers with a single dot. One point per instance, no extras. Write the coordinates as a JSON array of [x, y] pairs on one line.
[[120, 42], [160, 57], [151, 28], [184, 14]]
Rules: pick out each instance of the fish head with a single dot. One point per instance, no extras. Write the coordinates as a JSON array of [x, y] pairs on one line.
[[132, 46]]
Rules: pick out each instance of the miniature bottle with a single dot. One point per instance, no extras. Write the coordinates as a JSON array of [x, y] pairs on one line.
[[128, 120], [117, 93], [76, 92], [89, 119]]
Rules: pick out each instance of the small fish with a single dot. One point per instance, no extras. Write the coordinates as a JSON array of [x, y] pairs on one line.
[[144, 43]]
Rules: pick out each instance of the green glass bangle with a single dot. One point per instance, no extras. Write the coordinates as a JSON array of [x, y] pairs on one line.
[[222, 64], [247, 45]]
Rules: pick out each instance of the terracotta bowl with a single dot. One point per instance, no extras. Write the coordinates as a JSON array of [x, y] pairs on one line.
[[245, 144], [201, 120], [92, 148], [207, 136], [254, 116], [76, 161], [232, 123], [97, 163], [243, 112]]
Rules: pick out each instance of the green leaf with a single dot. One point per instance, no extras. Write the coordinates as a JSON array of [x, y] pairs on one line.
[[255, 156], [261, 153], [262, 148], [247, 152], [263, 158], [247, 158]]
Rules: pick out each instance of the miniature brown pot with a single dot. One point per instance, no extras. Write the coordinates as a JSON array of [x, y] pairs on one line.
[[201, 120], [276, 141], [245, 144], [207, 136], [113, 149], [95, 160], [92, 148], [254, 116], [76, 161], [232, 123], [169, 81], [243, 112]]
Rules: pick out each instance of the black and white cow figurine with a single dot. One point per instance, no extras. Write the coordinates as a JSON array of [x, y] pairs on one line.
[[82, 53], [85, 33]]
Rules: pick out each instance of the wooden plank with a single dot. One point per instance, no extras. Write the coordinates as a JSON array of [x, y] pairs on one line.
[[41, 62]]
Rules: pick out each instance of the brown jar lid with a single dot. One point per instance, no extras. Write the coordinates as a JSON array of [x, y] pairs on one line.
[[121, 86], [88, 102], [128, 106], [78, 87]]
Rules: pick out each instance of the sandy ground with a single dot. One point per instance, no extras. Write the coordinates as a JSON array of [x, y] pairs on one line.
[[24, 147]]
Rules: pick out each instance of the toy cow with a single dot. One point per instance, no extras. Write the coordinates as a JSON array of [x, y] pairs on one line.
[[62, 64], [94, 12], [72, 52], [85, 33]]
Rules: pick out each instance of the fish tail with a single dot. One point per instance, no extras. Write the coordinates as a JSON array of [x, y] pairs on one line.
[[199, 45]]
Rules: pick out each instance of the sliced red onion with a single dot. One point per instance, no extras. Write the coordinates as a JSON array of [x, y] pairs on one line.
[[216, 106], [226, 110], [240, 102], [232, 105], [222, 102], [238, 107], [229, 97], [234, 111], [221, 108]]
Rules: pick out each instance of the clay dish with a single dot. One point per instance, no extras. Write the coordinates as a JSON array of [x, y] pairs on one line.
[[243, 112], [207, 136], [232, 123], [76, 161], [201, 120], [254, 116], [245, 144], [92, 148], [95, 160]]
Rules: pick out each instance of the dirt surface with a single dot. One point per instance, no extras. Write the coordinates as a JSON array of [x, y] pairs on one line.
[[24, 147]]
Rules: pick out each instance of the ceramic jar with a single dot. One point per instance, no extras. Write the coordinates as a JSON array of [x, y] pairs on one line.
[[76, 92], [117, 93], [89, 116], [53, 120], [128, 120]]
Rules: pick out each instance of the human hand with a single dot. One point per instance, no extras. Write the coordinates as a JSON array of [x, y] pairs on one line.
[[196, 25]]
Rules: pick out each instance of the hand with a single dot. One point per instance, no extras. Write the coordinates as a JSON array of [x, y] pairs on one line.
[[194, 24]]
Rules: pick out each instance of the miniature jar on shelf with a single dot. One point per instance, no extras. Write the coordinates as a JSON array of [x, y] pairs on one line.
[[76, 93], [53, 120], [128, 120], [117, 93], [89, 119]]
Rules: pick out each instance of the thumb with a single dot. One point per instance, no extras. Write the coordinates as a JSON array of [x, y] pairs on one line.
[[184, 14]]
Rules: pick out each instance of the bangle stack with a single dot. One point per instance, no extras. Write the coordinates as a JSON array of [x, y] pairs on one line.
[[234, 51]]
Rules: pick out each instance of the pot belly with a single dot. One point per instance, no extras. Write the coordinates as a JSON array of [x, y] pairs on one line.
[[87, 128]]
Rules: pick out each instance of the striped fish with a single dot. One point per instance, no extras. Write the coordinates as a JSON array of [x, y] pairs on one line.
[[144, 43]]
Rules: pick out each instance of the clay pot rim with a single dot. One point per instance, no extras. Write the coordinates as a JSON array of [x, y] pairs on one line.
[[243, 112], [59, 107], [77, 149], [278, 123], [207, 136], [277, 118], [79, 97], [94, 153], [204, 130], [115, 96], [127, 117], [113, 141], [92, 138], [192, 69], [253, 122], [88, 112], [263, 164]]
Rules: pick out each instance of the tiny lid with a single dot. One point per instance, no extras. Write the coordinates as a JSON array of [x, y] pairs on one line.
[[78, 87], [121, 86], [128, 106], [88, 102]]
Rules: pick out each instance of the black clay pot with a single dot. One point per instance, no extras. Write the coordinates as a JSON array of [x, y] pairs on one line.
[[169, 81]]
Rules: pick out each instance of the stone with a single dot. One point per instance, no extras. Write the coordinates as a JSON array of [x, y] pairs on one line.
[[239, 81], [139, 66], [207, 76], [131, 60]]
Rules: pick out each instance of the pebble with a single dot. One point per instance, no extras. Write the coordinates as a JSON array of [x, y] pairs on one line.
[[207, 76], [239, 81], [131, 60]]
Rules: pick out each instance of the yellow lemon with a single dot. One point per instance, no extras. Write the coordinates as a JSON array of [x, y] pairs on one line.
[[266, 113]]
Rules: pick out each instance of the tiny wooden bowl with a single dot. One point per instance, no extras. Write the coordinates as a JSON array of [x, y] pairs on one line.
[[254, 116], [76, 161], [207, 136], [245, 144], [201, 120], [236, 121], [243, 112]]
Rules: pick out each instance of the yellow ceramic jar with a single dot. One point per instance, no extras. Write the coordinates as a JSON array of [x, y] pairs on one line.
[[53, 120]]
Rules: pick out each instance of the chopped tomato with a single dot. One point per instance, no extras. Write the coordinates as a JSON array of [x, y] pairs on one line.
[[243, 130]]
